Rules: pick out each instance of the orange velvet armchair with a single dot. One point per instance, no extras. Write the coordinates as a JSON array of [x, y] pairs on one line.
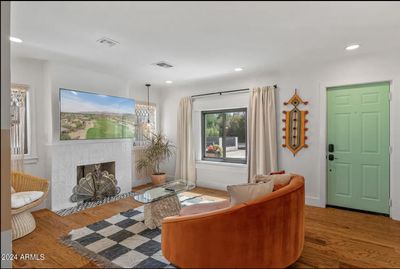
[[267, 232]]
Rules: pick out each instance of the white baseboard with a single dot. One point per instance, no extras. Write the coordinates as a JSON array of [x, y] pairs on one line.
[[395, 212], [314, 201]]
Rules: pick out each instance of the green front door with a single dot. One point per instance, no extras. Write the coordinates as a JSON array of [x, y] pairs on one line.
[[358, 147]]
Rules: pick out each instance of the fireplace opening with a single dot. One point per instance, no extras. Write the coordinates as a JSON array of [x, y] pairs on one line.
[[95, 182], [83, 170]]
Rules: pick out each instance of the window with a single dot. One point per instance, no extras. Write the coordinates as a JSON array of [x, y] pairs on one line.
[[224, 135], [145, 123], [20, 120]]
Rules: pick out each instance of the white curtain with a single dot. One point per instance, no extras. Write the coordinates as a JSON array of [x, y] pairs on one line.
[[262, 153], [17, 130], [185, 156]]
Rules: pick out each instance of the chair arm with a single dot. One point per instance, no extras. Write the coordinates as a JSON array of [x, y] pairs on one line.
[[24, 182]]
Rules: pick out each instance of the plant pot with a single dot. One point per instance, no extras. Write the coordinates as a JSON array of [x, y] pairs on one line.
[[158, 179], [213, 155]]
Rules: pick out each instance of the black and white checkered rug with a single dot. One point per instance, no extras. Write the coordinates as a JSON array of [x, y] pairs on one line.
[[123, 240]]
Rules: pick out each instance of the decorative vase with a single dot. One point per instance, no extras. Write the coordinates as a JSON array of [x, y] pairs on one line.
[[158, 179]]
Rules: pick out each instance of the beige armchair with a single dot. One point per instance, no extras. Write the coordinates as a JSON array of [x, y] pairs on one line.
[[22, 221]]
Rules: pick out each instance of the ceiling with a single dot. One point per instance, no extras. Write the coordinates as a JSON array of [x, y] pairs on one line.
[[201, 39]]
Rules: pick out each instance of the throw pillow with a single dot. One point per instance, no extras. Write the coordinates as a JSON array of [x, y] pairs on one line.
[[281, 179], [12, 189], [19, 199], [246, 192]]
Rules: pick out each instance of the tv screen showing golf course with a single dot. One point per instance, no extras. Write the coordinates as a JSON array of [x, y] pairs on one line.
[[87, 115]]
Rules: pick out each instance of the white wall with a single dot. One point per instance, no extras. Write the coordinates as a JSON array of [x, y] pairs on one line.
[[311, 82], [30, 72], [44, 80], [69, 77], [211, 174]]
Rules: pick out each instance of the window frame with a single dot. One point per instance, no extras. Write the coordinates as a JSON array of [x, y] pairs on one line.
[[223, 159], [31, 156]]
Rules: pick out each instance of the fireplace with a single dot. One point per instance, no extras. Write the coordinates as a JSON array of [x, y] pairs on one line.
[[95, 182]]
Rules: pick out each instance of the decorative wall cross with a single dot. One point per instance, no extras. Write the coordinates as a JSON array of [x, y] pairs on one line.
[[295, 121]]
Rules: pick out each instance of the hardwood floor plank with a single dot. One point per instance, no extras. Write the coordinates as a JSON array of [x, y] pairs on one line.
[[334, 238]]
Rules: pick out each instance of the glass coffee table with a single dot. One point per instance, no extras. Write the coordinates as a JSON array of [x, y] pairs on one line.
[[161, 201]]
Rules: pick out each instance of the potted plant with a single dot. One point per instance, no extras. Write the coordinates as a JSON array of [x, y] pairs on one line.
[[159, 149], [214, 151]]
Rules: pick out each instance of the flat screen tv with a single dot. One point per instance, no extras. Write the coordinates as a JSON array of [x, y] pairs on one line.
[[85, 115]]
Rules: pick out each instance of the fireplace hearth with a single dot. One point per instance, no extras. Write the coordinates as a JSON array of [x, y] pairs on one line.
[[95, 182]]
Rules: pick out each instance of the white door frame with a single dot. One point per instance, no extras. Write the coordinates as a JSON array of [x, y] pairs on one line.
[[323, 133]]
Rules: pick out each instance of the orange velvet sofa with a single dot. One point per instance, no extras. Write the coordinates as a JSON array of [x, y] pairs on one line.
[[266, 232]]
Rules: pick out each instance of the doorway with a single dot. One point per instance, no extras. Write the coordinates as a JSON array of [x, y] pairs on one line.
[[358, 137]]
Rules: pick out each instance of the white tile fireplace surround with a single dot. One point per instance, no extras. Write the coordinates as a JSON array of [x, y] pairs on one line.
[[66, 156]]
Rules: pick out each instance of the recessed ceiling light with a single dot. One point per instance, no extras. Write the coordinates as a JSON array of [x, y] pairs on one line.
[[353, 47], [15, 39], [238, 69], [168, 81]]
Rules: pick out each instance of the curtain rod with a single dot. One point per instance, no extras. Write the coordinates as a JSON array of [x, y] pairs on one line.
[[223, 92]]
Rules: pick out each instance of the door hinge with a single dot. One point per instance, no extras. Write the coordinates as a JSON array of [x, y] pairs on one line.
[[390, 202], [390, 96], [390, 150]]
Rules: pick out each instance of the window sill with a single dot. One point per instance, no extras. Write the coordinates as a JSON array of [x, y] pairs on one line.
[[30, 159], [239, 165]]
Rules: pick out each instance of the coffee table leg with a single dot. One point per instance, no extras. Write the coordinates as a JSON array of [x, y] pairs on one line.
[[156, 211]]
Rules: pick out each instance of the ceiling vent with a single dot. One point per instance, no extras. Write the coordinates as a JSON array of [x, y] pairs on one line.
[[164, 65], [107, 42]]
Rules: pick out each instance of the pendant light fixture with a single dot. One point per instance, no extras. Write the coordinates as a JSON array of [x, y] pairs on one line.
[[148, 103]]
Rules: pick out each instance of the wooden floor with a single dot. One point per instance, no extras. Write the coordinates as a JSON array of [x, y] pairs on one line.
[[334, 238]]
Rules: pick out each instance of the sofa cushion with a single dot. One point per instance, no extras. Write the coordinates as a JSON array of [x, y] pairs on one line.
[[20, 199], [246, 192], [203, 208]]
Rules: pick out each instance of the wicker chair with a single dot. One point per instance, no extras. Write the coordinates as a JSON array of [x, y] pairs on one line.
[[22, 221]]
